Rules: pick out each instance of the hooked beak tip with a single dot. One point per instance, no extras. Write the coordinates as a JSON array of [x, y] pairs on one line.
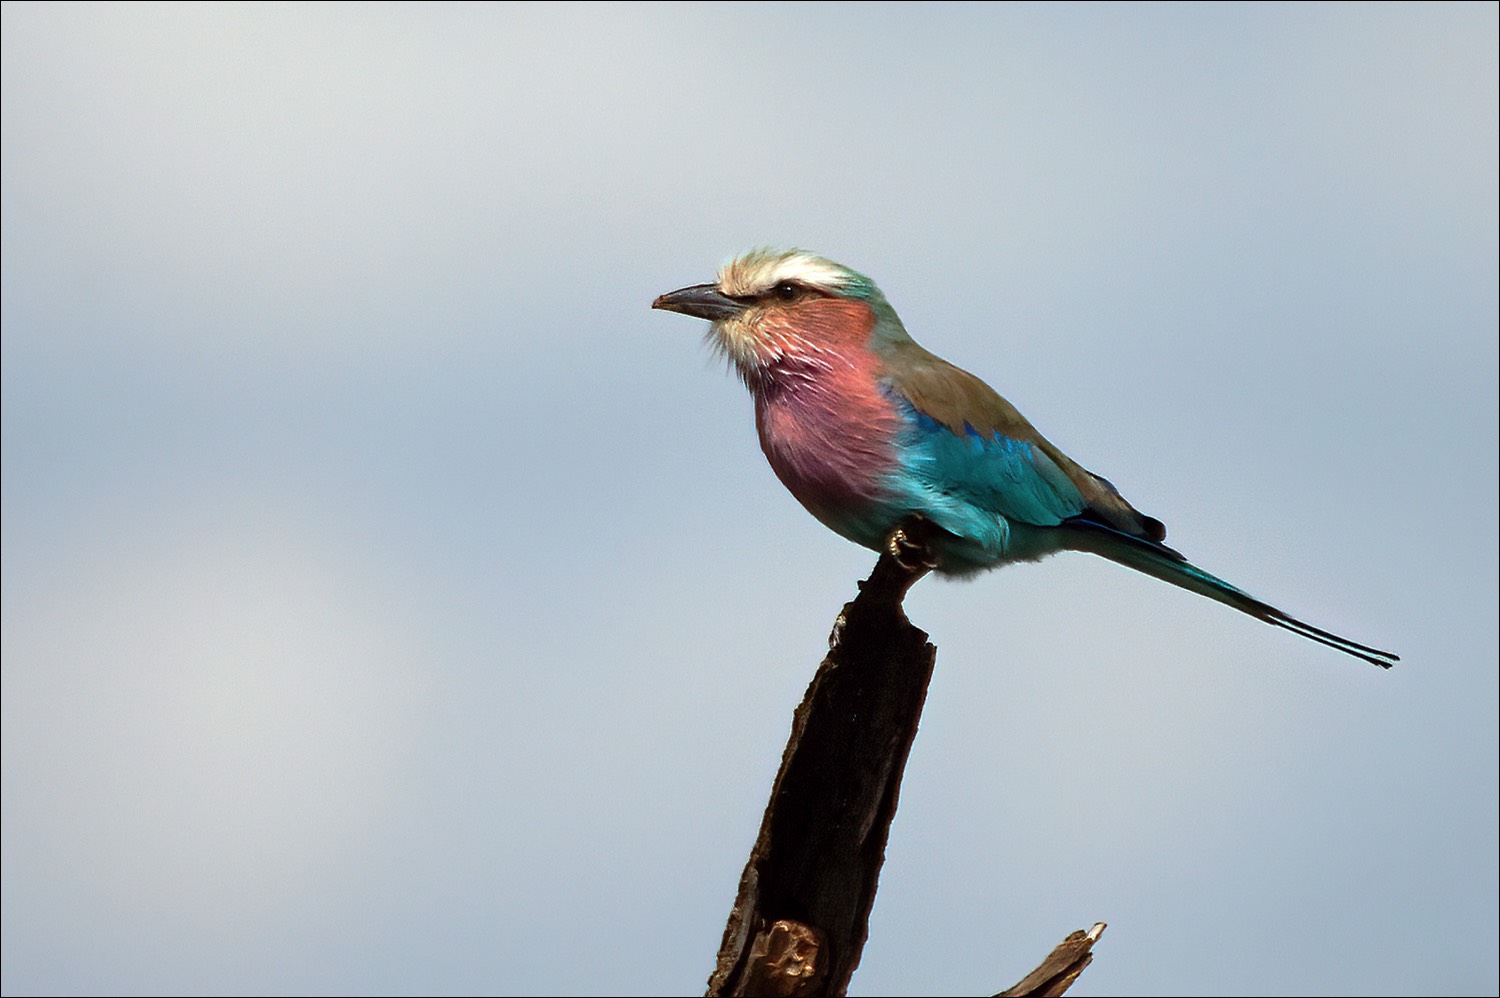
[[701, 301]]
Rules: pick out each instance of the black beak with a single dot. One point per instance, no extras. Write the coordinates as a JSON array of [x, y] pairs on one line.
[[702, 301]]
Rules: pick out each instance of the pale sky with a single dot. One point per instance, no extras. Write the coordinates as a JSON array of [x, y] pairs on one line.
[[393, 603]]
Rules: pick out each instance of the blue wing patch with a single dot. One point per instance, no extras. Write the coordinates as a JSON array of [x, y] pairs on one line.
[[978, 486]]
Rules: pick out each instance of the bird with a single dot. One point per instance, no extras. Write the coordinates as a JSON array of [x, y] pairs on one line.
[[867, 430]]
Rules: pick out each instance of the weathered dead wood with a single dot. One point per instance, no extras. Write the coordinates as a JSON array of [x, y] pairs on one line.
[[799, 923], [800, 920], [1061, 968]]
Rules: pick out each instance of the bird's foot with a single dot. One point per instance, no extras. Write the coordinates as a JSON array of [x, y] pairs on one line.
[[910, 552]]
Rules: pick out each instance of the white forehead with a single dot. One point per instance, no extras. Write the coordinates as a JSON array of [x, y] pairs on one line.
[[760, 270]]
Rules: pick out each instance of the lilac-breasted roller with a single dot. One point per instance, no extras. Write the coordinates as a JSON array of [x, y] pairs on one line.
[[867, 429]]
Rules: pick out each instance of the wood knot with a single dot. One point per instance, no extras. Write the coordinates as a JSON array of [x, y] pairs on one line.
[[786, 960]]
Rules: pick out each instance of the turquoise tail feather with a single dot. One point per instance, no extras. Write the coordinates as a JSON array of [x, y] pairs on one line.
[[1161, 562]]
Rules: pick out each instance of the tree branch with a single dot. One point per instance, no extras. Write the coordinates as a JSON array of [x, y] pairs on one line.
[[801, 917], [1061, 968]]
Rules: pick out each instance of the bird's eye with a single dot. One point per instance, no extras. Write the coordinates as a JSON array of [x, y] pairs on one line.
[[786, 291]]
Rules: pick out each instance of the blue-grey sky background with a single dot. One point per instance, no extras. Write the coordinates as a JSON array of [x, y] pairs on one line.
[[393, 603]]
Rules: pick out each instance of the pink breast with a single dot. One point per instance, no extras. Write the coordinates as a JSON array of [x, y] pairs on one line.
[[824, 423]]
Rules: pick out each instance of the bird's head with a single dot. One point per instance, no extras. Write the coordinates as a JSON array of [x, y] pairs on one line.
[[773, 308]]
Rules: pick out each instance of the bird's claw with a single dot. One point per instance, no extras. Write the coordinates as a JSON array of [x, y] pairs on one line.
[[910, 554]]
